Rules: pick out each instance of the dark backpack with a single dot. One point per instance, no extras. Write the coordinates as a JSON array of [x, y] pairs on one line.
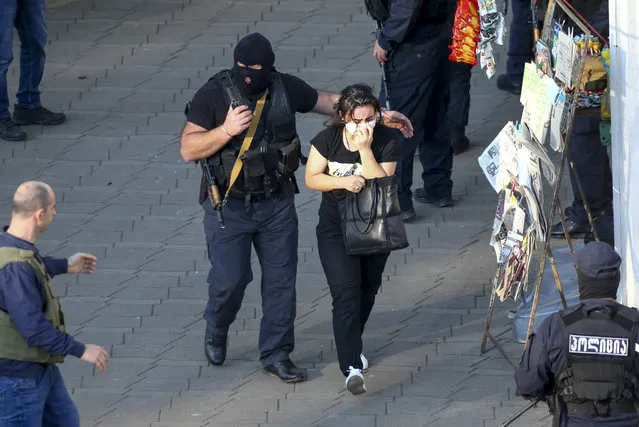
[[377, 9]]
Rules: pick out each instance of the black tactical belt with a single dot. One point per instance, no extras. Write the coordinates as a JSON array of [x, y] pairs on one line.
[[588, 409]]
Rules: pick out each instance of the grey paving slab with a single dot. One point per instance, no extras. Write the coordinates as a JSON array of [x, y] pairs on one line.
[[123, 73]]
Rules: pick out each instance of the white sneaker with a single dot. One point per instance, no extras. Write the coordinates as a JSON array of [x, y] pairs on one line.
[[355, 381], [364, 362]]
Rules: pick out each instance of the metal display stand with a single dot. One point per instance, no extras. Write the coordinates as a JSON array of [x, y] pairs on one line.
[[546, 35]]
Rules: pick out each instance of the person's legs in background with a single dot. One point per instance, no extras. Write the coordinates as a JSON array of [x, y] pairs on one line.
[[32, 29], [520, 47], [435, 151], [590, 159], [8, 129], [409, 75], [459, 105]]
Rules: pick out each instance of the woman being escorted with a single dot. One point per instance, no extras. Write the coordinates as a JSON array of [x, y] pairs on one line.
[[342, 157]]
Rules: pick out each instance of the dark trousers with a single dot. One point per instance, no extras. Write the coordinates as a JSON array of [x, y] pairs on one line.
[[418, 80], [28, 18], [520, 43], [37, 402], [271, 227], [593, 167], [459, 103], [353, 282]]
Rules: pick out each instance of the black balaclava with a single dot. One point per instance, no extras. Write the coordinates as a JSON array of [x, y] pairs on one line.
[[253, 49], [596, 288]]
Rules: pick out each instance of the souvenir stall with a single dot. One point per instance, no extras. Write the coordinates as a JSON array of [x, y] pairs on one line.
[[525, 163]]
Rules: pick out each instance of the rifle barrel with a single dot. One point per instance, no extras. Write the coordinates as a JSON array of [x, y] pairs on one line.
[[514, 418]]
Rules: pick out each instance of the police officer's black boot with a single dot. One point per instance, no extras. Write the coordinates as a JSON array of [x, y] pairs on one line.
[[215, 346], [286, 371]]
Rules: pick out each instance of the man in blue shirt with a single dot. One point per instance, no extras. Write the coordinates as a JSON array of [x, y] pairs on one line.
[[584, 358], [33, 335]]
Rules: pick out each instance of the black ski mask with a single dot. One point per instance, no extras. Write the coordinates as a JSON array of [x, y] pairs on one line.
[[253, 49]]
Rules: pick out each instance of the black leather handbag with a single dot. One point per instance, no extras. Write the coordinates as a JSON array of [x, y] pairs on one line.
[[371, 219]]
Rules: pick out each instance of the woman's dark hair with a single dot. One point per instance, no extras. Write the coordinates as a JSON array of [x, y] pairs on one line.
[[351, 97]]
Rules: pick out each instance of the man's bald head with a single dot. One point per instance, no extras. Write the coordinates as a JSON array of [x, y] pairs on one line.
[[30, 197]]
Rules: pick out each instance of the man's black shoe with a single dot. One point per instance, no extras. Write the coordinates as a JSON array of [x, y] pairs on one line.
[[10, 131], [420, 196], [505, 83], [460, 145], [215, 347], [574, 230], [286, 371], [37, 116], [408, 214]]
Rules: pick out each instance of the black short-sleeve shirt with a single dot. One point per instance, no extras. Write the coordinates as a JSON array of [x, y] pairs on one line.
[[209, 107], [343, 162]]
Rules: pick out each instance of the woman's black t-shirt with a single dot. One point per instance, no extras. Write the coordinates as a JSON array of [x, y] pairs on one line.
[[343, 162]]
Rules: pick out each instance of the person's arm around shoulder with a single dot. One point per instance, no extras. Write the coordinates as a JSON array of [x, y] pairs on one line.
[[200, 137], [534, 374], [316, 177]]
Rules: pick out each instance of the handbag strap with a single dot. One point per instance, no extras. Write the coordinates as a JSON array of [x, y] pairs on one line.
[[248, 139], [373, 211]]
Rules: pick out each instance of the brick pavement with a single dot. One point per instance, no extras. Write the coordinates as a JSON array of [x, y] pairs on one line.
[[122, 70]]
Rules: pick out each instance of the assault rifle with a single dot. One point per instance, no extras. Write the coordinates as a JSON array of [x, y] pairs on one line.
[[211, 182], [533, 403], [214, 191]]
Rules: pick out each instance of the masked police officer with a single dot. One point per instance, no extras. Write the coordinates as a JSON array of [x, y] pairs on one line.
[[242, 121], [412, 45], [584, 357]]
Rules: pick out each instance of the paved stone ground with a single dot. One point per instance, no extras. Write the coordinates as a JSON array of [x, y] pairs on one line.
[[122, 70]]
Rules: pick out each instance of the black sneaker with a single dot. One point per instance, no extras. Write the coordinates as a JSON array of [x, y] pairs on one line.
[[420, 196], [460, 145], [505, 83], [37, 116], [10, 131]]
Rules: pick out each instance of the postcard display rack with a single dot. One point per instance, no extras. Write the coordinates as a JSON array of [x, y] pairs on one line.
[[564, 80]]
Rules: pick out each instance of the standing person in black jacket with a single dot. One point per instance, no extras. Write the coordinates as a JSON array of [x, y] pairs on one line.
[[412, 45], [590, 158], [33, 336]]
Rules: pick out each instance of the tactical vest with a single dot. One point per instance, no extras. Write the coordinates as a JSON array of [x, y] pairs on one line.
[[600, 377], [13, 346], [274, 155]]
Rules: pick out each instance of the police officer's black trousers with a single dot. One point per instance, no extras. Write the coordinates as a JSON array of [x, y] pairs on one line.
[[520, 42], [593, 168], [271, 226], [418, 80], [459, 103]]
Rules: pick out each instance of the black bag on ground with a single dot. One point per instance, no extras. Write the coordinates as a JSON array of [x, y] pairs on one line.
[[371, 219]]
